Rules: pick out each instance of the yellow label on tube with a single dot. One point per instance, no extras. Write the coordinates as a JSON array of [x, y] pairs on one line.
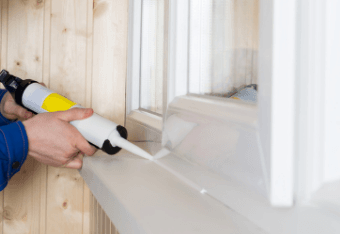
[[55, 102]]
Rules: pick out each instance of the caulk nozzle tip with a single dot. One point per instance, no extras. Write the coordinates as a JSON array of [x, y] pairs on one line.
[[133, 148]]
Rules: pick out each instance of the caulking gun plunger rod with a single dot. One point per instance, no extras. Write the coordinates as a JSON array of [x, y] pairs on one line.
[[100, 132]]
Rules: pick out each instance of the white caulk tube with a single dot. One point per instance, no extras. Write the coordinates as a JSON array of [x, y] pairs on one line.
[[100, 132]]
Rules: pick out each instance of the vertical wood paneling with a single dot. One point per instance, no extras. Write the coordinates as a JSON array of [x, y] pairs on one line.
[[52, 41], [4, 33], [25, 30], [100, 219], [113, 229], [89, 52], [89, 38], [95, 218], [68, 48], [86, 209], [47, 42], [110, 58], [46, 80], [43, 193], [22, 196], [65, 195], [107, 225], [91, 209], [100, 222]]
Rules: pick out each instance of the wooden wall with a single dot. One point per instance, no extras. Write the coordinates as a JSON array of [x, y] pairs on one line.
[[99, 221], [77, 48]]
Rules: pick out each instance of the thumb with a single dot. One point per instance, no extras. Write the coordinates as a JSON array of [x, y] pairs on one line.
[[76, 162], [75, 114]]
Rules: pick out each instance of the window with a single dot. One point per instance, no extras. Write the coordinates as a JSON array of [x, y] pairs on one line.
[[212, 51], [152, 43], [223, 46]]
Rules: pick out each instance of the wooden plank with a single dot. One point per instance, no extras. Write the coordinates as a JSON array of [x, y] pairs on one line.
[[95, 226], [107, 225], [43, 193], [4, 33], [88, 199], [25, 38], [65, 195], [109, 58], [86, 209], [64, 201], [24, 195], [46, 80], [100, 219], [68, 48], [47, 42], [113, 229], [89, 47], [91, 219], [25, 199]]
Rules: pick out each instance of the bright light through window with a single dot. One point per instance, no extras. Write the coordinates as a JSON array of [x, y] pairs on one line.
[[223, 47], [152, 42]]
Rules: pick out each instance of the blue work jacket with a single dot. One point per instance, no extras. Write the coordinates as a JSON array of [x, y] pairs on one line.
[[13, 147]]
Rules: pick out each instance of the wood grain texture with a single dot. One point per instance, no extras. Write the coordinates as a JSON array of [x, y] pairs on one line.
[[100, 222], [25, 191], [64, 201], [25, 30], [46, 80], [86, 209], [113, 229], [107, 225], [110, 58], [95, 218], [4, 33], [47, 42], [88, 199], [65, 194], [68, 48], [89, 52], [52, 41], [101, 219], [22, 200], [91, 209]]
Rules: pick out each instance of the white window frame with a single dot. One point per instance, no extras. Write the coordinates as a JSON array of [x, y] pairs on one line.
[[276, 59], [134, 115], [279, 126]]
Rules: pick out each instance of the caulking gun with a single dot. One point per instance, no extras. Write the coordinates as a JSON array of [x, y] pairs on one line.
[[98, 131]]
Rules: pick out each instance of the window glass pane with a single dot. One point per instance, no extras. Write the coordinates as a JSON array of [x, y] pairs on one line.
[[223, 48], [152, 42]]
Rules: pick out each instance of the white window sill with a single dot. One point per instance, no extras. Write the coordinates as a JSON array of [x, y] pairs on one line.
[[139, 196]]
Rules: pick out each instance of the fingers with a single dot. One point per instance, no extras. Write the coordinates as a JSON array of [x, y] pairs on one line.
[[84, 146], [21, 112], [75, 114], [78, 114], [11, 110], [76, 162]]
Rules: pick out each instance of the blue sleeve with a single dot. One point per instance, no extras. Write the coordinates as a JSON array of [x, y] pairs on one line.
[[13, 150], [3, 120]]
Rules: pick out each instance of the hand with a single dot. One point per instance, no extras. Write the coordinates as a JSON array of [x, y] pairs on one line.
[[11, 110], [54, 141]]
